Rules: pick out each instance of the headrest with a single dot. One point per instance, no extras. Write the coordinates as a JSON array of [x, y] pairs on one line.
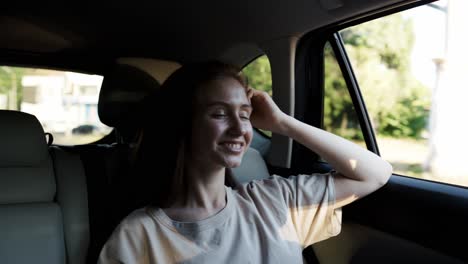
[[122, 89], [26, 171], [22, 139], [253, 167]]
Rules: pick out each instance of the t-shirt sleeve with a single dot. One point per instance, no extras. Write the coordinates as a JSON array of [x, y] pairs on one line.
[[310, 200]]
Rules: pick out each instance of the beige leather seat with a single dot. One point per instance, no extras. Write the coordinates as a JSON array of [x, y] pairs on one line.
[[43, 206]]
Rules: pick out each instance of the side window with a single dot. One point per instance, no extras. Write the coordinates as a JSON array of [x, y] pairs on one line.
[[339, 115], [258, 74], [413, 82], [64, 102]]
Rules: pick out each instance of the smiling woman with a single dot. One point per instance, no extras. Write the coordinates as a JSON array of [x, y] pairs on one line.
[[222, 119], [196, 115], [204, 114]]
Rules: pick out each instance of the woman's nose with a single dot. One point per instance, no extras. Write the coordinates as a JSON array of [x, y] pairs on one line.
[[237, 127]]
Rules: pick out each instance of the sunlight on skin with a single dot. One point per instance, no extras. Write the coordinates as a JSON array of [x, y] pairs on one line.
[[353, 163]]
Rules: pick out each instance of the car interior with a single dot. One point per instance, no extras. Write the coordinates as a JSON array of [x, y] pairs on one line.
[[60, 203]]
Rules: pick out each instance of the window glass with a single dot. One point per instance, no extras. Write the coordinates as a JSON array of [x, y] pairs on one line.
[[258, 73], [339, 115], [413, 81], [64, 102]]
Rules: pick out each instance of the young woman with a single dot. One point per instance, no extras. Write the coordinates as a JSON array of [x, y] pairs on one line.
[[203, 118]]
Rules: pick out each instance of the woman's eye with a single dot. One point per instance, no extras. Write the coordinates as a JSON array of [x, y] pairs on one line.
[[245, 116], [219, 115]]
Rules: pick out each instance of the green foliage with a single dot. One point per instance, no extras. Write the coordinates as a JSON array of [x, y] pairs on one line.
[[258, 74], [410, 116], [339, 116], [7, 76], [380, 52]]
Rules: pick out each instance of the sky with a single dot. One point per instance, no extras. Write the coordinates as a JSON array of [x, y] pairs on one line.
[[448, 130], [429, 28]]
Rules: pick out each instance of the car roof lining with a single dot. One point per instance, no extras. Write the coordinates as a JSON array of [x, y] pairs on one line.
[[170, 30]]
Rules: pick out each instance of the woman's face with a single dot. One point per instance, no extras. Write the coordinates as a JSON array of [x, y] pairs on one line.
[[221, 131]]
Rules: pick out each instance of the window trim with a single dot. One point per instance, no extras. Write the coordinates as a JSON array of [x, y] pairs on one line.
[[352, 85], [373, 14]]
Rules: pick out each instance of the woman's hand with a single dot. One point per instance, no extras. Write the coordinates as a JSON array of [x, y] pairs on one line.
[[266, 114]]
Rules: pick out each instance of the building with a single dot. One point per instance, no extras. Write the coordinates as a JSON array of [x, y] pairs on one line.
[[61, 100]]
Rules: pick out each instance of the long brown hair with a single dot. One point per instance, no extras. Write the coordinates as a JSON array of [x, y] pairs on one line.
[[166, 131]]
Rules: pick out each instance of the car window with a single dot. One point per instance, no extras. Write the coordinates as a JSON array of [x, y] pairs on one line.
[[258, 74], [64, 102], [339, 115], [413, 81]]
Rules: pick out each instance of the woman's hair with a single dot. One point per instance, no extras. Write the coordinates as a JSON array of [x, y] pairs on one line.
[[166, 129]]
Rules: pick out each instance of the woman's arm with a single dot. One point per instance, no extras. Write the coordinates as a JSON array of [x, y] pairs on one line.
[[359, 171]]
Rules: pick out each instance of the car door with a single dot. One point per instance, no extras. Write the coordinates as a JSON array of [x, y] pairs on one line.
[[362, 79]]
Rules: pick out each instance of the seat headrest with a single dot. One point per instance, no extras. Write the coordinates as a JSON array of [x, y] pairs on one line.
[[252, 167], [122, 90], [22, 139], [26, 171]]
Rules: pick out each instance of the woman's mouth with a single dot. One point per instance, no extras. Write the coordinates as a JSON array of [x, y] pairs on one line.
[[234, 147]]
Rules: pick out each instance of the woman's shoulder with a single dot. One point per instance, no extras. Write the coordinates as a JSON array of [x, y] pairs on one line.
[[127, 241], [136, 219], [316, 178], [280, 187], [280, 182], [270, 188]]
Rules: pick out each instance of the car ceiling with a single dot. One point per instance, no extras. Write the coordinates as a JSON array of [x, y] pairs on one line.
[[173, 30]]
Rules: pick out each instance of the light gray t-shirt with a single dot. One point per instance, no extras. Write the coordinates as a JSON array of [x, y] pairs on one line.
[[266, 221]]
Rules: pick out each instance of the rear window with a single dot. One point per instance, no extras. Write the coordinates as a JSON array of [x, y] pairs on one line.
[[64, 102]]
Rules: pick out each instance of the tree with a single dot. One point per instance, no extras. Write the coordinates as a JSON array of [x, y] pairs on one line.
[[380, 53], [258, 74], [339, 115], [10, 83]]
